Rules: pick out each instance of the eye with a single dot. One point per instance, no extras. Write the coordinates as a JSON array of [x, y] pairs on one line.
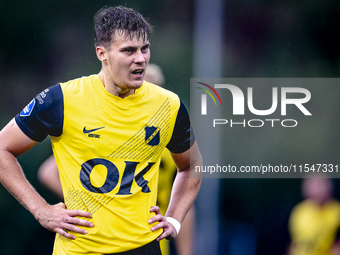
[[145, 49], [129, 50]]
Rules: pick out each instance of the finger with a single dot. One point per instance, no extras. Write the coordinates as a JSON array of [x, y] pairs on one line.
[[80, 222], [164, 235], [158, 217], [74, 228], [73, 213], [155, 209], [162, 224], [65, 234]]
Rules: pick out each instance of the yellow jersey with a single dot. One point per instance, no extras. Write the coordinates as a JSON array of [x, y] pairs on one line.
[[108, 150], [313, 229]]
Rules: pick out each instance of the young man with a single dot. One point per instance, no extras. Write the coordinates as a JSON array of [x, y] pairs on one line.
[[108, 132], [48, 176]]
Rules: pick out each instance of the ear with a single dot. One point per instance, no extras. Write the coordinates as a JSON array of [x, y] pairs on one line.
[[101, 53]]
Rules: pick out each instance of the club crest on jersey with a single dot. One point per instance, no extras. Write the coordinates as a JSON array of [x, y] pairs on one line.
[[28, 109], [152, 135]]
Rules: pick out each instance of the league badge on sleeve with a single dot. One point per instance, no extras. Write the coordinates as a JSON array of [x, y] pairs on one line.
[[28, 109]]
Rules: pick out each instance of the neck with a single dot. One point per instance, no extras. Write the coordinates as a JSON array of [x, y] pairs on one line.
[[112, 88]]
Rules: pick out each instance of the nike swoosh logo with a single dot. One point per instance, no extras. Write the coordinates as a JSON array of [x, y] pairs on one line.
[[86, 131]]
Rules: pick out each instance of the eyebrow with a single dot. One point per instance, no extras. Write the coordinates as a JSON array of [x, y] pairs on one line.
[[134, 48], [146, 45]]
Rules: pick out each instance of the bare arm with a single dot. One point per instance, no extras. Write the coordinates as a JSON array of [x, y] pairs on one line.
[[186, 184], [13, 143], [185, 239], [184, 191]]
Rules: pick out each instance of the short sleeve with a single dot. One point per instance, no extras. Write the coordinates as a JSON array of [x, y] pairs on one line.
[[44, 115], [183, 136]]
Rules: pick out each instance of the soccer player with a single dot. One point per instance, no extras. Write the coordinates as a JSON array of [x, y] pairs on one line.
[[48, 175], [314, 223], [108, 132]]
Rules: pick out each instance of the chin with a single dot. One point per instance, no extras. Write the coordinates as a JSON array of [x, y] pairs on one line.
[[136, 84]]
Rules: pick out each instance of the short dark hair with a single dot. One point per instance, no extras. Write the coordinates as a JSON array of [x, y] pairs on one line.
[[110, 19]]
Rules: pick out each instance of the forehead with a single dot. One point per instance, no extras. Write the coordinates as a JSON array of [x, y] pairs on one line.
[[124, 39]]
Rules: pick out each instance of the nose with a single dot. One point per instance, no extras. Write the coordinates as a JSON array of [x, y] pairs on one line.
[[139, 58]]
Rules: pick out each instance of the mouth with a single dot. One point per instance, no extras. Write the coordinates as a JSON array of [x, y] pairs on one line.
[[138, 72]]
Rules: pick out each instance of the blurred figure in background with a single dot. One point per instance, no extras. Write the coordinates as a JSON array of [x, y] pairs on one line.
[[48, 175], [314, 223]]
